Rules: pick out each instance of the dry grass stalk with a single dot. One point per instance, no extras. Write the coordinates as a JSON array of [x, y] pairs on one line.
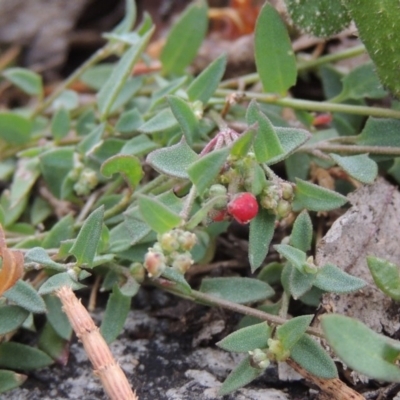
[[105, 367], [334, 388]]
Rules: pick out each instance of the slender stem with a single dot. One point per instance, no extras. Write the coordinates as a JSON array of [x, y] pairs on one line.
[[189, 201], [99, 55], [309, 105], [338, 148]]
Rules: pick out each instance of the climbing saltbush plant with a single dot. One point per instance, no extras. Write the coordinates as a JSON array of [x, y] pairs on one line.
[[135, 186]]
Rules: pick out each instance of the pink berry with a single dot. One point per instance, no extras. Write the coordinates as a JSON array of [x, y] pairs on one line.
[[243, 207]]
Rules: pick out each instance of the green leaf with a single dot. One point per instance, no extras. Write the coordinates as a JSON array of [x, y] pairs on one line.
[[313, 358], [262, 229], [161, 122], [247, 339], [40, 256], [27, 80], [60, 124], [62, 230], [299, 283], [317, 198], [11, 318], [302, 232], [25, 296], [160, 218], [119, 76], [92, 140], [128, 166], [128, 22], [237, 290], [375, 26], [55, 165], [186, 118], [243, 374], [386, 276], [95, 76], [185, 38], [206, 83], [295, 256], [25, 176], [332, 279], [212, 163], [321, 18], [117, 310], [139, 145], [57, 318], [362, 82], [22, 357], [174, 160], [242, 145], [291, 331], [266, 143], [360, 167], [10, 380], [85, 245], [67, 99], [14, 128], [362, 349], [53, 345], [129, 121], [177, 277], [57, 281], [166, 88], [128, 91], [271, 273], [275, 60]]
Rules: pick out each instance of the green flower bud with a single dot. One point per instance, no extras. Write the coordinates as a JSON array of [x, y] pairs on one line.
[[287, 190], [276, 350], [259, 359], [137, 272], [182, 262], [283, 208]]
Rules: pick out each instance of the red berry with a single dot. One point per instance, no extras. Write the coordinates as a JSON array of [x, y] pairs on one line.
[[218, 215], [243, 207], [322, 119]]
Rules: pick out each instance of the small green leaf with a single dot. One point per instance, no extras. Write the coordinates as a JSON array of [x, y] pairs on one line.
[[11, 318], [295, 256], [275, 60], [53, 345], [362, 82], [175, 276], [128, 166], [185, 38], [67, 99], [128, 91], [186, 118], [262, 229], [242, 145], [313, 358], [237, 290], [161, 122], [22, 357], [40, 256], [321, 18], [25, 176], [138, 146], [57, 318], [266, 143], [375, 26], [332, 279], [206, 83], [55, 165], [115, 83], [92, 140], [291, 331], [247, 339], [317, 198], [174, 160], [25, 296], [212, 163], [85, 245], [271, 273], [126, 25], [360, 167], [302, 232], [14, 128], [60, 124], [157, 215], [27, 80], [299, 283], [386, 276], [57, 281], [62, 230], [243, 374], [129, 121], [362, 349], [10, 380], [117, 310], [166, 88]]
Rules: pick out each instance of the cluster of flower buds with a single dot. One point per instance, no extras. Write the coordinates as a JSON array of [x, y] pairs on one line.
[[259, 359], [276, 351], [277, 198], [85, 179], [172, 250]]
